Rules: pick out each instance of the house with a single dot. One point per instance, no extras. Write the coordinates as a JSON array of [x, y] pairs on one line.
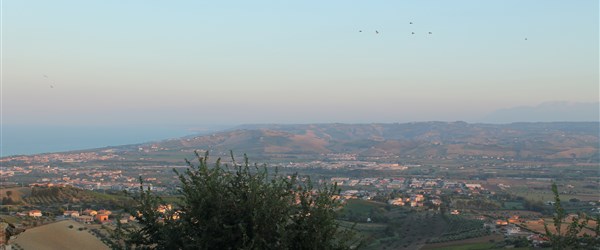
[[473, 186], [419, 197], [163, 208], [102, 211], [35, 213], [90, 212], [537, 239], [501, 223], [70, 213], [514, 219], [512, 230], [396, 202], [85, 219], [101, 217]]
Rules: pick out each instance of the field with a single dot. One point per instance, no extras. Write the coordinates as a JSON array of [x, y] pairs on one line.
[[42, 196], [58, 236], [473, 243], [539, 190], [513, 205], [16, 193], [538, 226], [394, 227]]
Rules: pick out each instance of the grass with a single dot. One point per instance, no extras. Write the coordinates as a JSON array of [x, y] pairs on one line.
[[362, 206], [513, 205], [473, 246], [59, 236], [9, 219], [546, 195]]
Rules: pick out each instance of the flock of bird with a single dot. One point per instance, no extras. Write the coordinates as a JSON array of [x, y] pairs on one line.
[[412, 33], [376, 32], [50, 83]]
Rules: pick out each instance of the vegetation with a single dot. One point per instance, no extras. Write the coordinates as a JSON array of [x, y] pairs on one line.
[[460, 229], [239, 207], [572, 237]]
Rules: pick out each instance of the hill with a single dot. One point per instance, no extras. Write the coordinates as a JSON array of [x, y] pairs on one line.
[[59, 236], [544, 142], [557, 141]]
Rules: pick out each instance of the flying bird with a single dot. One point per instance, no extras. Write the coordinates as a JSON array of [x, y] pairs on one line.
[[51, 86], [410, 23], [45, 76], [376, 32], [360, 31], [430, 32], [525, 38], [413, 33]]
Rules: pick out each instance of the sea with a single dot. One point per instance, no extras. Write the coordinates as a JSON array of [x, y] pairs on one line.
[[36, 139]]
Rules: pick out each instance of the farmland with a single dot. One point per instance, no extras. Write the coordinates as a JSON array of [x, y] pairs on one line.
[[58, 235], [394, 227]]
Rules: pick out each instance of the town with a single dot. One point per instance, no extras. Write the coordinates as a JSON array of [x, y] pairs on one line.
[[496, 208]]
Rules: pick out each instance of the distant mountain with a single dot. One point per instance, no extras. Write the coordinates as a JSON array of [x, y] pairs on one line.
[[556, 141], [547, 112]]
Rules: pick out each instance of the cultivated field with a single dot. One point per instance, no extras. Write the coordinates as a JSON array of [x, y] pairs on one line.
[[59, 236], [16, 193], [538, 226]]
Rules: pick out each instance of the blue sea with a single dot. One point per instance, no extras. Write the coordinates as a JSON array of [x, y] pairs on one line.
[[32, 139]]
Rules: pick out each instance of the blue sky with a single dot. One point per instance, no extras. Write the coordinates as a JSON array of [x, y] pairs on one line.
[[231, 62]]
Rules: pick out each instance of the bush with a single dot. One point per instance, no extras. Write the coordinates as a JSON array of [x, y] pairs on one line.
[[240, 207]]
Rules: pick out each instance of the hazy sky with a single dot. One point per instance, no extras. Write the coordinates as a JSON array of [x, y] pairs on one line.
[[223, 62]]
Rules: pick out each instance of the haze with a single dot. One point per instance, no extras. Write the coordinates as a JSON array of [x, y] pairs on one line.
[[230, 62]]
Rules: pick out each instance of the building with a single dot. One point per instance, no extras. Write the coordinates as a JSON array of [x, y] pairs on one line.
[[101, 217], [102, 211], [90, 212], [164, 208], [35, 213], [85, 219], [473, 186], [71, 213], [396, 202], [514, 219]]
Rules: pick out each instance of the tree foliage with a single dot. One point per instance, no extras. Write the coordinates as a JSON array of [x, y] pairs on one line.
[[240, 207], [571, 236]]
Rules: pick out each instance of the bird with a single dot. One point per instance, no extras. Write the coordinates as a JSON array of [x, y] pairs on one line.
[[430, 32], [410, 22], [360, 31], [51, 86], [525, 38], [376, 32], [45, 76], [413, 33]]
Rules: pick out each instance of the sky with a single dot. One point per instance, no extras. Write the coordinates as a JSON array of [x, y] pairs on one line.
[[129, 63]]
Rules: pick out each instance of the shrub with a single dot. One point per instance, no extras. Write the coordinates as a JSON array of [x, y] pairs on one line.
[[240, 207]]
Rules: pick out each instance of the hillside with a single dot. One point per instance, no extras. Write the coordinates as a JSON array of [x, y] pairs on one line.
[[535, 142], [562, 143]]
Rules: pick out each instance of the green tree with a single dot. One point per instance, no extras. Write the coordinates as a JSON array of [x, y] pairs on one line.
[[240, 207]]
